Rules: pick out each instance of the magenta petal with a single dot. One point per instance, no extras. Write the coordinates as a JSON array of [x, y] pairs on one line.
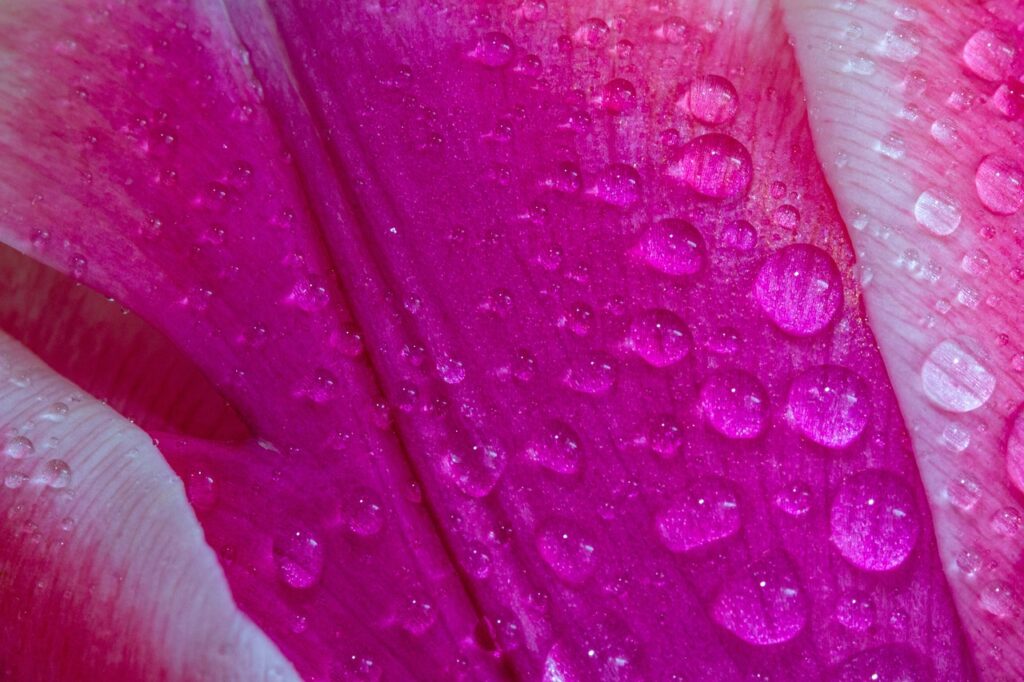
[[345, 213]]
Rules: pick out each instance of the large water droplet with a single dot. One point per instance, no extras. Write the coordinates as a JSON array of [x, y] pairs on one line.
[[874, 521], [710, 99], [475, 471], [660, 337], [568, 551], [955, 380], [300, 559], [829, 405], [557, 448], [715, 165], [765, 605], [705, 512], [674, 247], [988, 56], [999, 182], [800, 289], [888, 663], [734, 403], [618, 185], [937, 212]]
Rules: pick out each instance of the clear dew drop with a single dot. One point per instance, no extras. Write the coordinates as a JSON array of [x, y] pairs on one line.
[[988, 56], [714, 165], [568, 551], [56, 474], [709, 99], [201, 490], [475, 471], [57, 412], [1015, 449], [855, 611], [617, 185], [999, 182], [800, 289], [591, 33], [734, 404], [299, 556], [618, 96], [954, 380], [706, 512], [660, 337], [765, 605], [665, 436], [362, 511], [674, 247], [15, 480], [937, 212], [557, 448], [591, 373], [494, 49], [963, 492], [999, 599], [1006, 522], [19, 447], [900, 44], [739, 235], [417, 616], [829, 405], [874, 521], [887, 663], [794, 499]]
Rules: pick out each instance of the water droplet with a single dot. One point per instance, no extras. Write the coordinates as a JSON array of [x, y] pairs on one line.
[[794, 499], [618, 96], [705, 512], [19, 447], [618, 185], [579, 319], [937, 212], [900, 44], [829, 404], [765, 605], [56, 474], [592, 373], [855, 612], [874, 521], [673, 247], [494, 49], [557, 448], [888, 663], [999, 599], [478, 561], [739, 235], [714, 165], [1015, 449], [955, 380], [417, 616], [361, 510], [800, 289], [1007, 522], [963, 492], [591, 33], [660, 337], [15, 480], [477, 470], [988, 56], [568, 551], [665, 436], [201, 490], [892, 145], [786, 216], [300, 559], [999, 182], [734, 403], [56, 412], [710, 99], [533, 10], [969, 562]]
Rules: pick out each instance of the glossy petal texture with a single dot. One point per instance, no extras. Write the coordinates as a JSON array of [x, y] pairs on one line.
[[474, 491]]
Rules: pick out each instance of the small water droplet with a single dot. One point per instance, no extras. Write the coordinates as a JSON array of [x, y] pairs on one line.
[[673, 247], [618, 185], [568, 551], [710, 99], [739, 235], [494, 49], [734, 403], [666, 436], [19, 447], [714, 165], [874, 521], [556, 448], [417, 616], [706, 511], [56, 474], [361, 510], [887, 663], [660, 337], [829, 404], [855, 611], [963, 491], [591, 373], [999, 599], [618, 96], [57, 412], [794, 499], [800, 289], [475, 471], [15, 480], [765, 605], [300, 559], [201, 490], [591, 33], [937, 211], [954, 380], [1007, 522]]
